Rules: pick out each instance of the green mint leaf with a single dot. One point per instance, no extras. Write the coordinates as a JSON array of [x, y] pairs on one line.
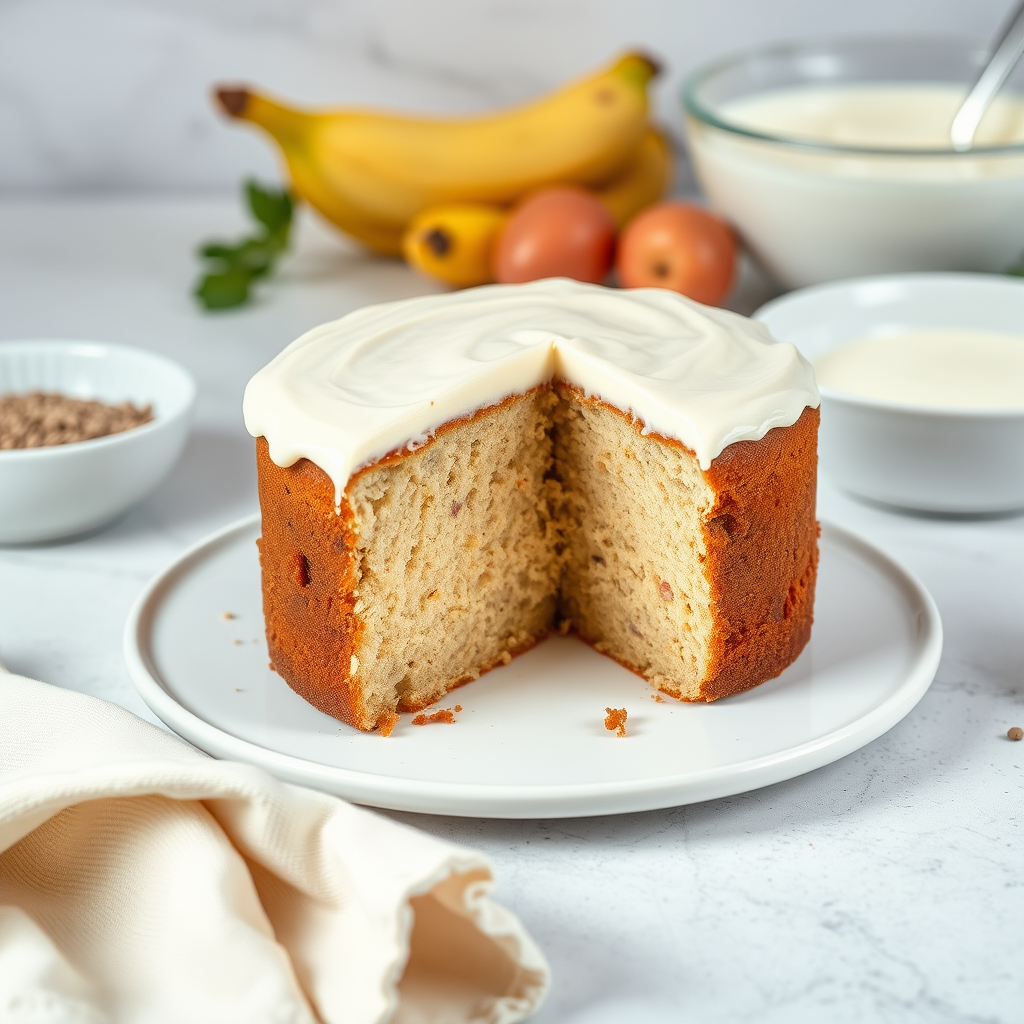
[[218, 251], [255, 257], [233, 267], [271, 207], [224, 290], [280, 236]]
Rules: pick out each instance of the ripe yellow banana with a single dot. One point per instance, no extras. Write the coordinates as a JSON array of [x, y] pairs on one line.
[[370, 173], [454, 243], [644, 181]]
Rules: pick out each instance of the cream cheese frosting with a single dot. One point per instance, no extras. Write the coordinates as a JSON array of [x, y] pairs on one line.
[[385, 377]]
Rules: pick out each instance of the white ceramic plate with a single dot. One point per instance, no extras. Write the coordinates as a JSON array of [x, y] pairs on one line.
[[530, 741]]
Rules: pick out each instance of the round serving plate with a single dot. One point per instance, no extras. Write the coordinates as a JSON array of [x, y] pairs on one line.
[[530, 740]]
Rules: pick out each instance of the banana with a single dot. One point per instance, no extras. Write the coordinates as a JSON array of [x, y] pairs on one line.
[[454, 243], [370, 173], [644, 181]]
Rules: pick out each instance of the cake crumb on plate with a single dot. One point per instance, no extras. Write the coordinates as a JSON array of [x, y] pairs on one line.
[[615, 721], [444, 715]]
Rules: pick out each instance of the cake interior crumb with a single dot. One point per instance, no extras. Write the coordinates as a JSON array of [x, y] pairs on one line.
[[229, 615], [615, 721], [41, 419]]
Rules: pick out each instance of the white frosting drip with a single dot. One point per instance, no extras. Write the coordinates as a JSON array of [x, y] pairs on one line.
[[348, 392]]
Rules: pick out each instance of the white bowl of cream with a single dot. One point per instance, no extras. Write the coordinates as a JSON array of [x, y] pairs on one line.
[[833, 159], [58, 491], [922, 386]]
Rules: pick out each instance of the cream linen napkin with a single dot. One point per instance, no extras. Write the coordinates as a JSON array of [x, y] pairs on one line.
[[142, 882]]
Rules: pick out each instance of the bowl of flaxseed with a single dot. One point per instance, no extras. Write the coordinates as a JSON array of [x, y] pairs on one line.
[[87, 430]]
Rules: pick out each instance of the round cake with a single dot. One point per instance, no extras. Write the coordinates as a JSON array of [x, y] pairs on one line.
[[446, 480]]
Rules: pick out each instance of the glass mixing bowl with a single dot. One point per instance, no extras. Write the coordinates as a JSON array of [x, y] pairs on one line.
[[813, 211]]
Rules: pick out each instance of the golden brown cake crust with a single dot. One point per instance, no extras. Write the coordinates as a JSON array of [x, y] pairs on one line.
[[762, 551], [309, 573], [762, 539]]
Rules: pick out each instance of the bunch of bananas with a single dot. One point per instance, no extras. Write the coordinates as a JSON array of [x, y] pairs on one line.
[[438, 189]]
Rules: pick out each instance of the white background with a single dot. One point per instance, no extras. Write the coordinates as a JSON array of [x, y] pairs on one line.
[[113, 94], [886, 887]]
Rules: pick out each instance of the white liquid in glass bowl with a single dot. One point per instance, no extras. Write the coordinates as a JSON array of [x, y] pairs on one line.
[[860, 179]]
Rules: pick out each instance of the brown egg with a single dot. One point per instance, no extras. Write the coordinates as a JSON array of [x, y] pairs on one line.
[[681, 247], [556, 232]]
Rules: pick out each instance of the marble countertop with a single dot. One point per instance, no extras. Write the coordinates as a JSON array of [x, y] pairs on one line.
[[886, 887]]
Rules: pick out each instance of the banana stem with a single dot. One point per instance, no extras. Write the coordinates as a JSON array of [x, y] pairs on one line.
[[640, 67], [283, 123]]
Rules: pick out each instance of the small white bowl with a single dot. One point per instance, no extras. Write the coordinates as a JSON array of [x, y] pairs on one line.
[[63, 490], [927, 459]]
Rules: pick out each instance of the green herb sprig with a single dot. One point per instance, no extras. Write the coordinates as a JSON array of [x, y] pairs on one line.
[[231, 269]]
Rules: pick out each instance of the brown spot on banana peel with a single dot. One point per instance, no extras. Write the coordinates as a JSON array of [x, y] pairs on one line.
[[438, 241]]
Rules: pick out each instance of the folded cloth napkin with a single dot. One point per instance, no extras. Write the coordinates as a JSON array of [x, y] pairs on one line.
[[142, 882]]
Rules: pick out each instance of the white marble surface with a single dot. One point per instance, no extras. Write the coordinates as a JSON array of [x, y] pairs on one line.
[[102, 94], [887, 887]]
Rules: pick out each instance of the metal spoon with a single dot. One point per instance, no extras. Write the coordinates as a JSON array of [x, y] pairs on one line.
[[1004, 57]]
